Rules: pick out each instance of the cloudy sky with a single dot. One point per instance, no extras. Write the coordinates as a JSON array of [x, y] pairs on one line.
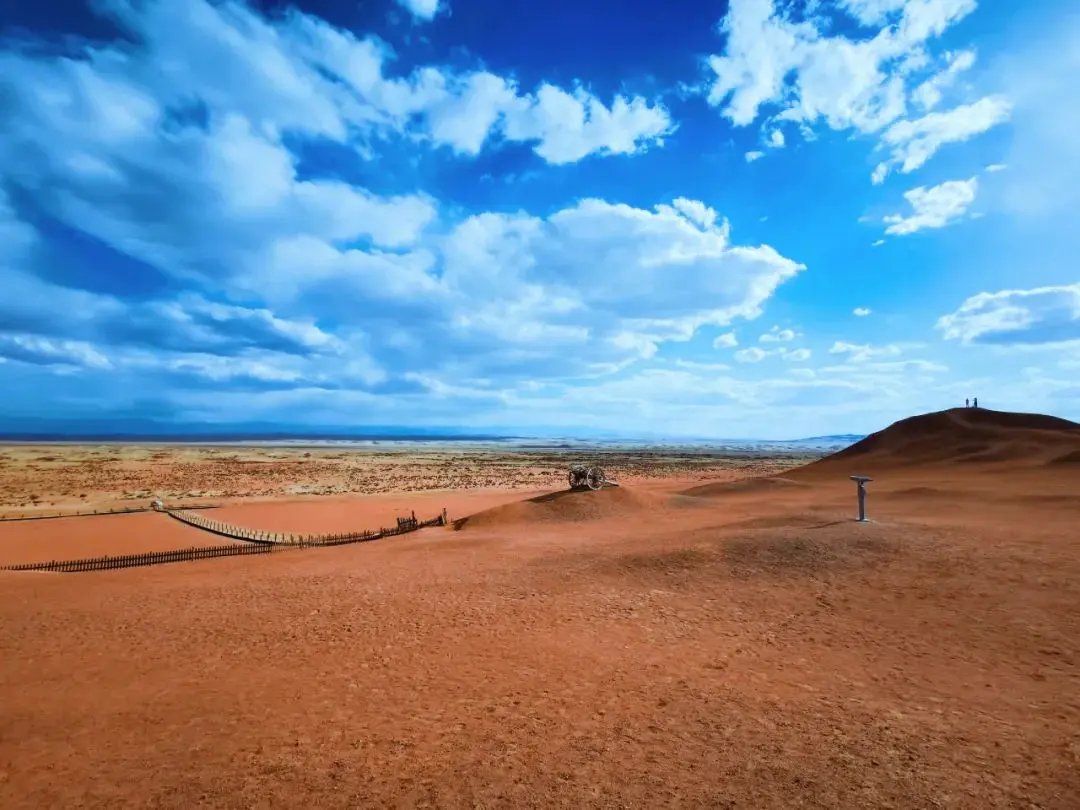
[[759, 218]]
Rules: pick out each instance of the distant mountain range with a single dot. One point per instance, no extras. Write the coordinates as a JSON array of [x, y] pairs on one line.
[[839, 438], [142, 429]]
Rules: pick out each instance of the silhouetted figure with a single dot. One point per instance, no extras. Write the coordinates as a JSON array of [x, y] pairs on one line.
[[967, 403]]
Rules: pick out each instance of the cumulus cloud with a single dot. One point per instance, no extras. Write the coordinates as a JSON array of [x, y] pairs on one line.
[[188, 167], [933, 207], [858, 353], [1037, 317], [298, 74], [262, 279], [626, 277], [582, 292], [866, 82], [725, 341], [421, 9], [777, 335], [752, 156], [570, 126], [860, 312], [753, 354]]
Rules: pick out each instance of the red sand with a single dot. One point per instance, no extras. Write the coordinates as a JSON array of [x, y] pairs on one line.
[[357, 514], [566, 506], [752, 647], [78, 537], [972, 436]]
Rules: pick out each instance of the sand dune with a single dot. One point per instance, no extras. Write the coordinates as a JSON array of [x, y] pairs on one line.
[[960, 436], [565, 506]]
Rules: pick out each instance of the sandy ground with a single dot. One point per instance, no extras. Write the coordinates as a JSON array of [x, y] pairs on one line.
[[746, 645], [68, 478], [81, 537]]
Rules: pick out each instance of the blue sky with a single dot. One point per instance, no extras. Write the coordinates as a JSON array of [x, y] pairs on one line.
[[748, 219]]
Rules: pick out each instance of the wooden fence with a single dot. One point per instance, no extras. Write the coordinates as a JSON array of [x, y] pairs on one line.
[[260, 542], [128, 510], [294, 539], [149, 558]]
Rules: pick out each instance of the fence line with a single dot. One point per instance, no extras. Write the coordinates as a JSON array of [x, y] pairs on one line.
[[261, 536], [259, 542], [149, 558], [127, 510]]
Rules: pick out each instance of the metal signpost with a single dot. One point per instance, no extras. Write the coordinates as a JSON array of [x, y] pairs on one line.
[[861, 481]]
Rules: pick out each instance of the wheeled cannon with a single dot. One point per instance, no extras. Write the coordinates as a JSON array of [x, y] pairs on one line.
[[582, 477]]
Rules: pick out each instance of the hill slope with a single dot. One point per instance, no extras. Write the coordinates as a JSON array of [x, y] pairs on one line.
[[564, 506], [959, 435]]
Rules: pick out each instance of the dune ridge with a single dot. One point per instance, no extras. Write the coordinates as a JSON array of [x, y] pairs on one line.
[[970, 436], [565, 506]]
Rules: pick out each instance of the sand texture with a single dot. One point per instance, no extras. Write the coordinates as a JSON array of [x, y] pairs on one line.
[[53, 479], [676, 642]]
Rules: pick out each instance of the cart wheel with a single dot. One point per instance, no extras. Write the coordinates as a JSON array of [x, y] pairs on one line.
[[595, 478]]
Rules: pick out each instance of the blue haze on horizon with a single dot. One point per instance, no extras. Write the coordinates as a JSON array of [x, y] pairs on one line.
[[756, 218]]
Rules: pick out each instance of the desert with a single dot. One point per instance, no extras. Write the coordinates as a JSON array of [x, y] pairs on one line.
[[492, 404], [713, 632]]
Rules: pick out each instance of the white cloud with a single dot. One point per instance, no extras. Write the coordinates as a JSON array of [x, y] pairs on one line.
[[831, 78], [187, 166], [858, 353], [873, 13], [43, 351], [860, 312], [755, 354], [775, 139], [223, 369], [877, 243], [667, 271], [930, 92], [777, 335], [914, 142], [1044, 316], [516, 294], [809, 75], [298, 74], [996, 167], [570, 126], [752, 156], [725, 341], [933, 207], [751, 355], [421, 9]]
